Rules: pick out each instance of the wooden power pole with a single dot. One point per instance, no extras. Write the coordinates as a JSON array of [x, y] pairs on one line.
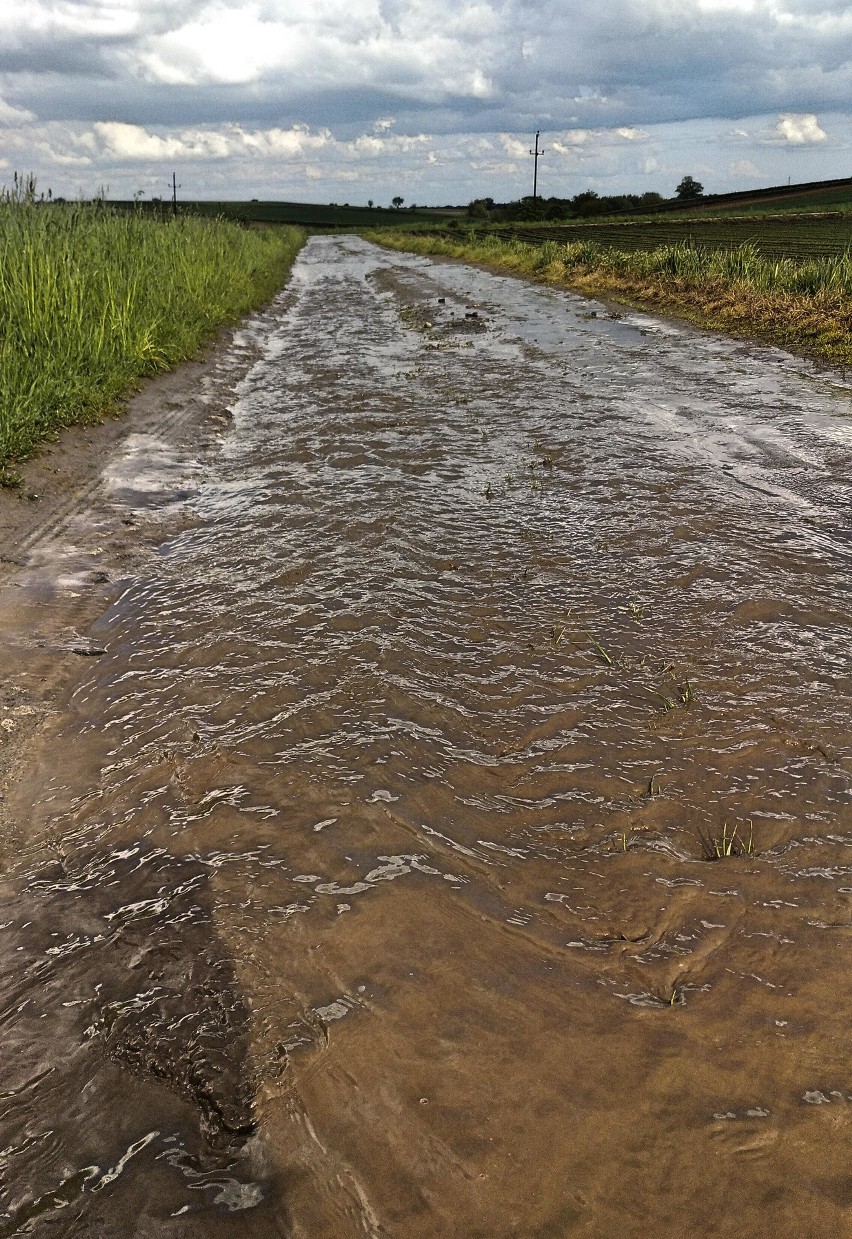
[[538, 154]]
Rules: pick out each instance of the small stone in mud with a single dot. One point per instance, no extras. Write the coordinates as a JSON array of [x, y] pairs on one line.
[[471, 314], [442, 301], [87, 651]]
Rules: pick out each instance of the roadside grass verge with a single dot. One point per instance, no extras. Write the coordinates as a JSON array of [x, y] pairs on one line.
[[93, 300], [803, 305]]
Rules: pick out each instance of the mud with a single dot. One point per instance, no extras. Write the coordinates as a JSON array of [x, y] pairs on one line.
[[361, 842]]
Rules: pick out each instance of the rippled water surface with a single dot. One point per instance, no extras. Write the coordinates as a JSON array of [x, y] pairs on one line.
[[374, 882]]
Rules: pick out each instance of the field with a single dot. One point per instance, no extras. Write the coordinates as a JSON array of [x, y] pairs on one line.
[[92, 300], [305, 214], [815, 235], [813, 196]]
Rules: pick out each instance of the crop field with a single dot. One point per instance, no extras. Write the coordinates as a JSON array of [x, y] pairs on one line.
[[304, 214], [815, 235], [815, 196], [91, 300], [836, 200]]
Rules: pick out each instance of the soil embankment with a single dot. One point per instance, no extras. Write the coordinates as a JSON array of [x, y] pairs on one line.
[[442, 828]]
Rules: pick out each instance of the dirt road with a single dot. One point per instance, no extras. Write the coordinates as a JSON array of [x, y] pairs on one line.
[[427, 809]]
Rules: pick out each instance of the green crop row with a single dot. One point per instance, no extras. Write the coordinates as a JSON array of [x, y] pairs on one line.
[[790, 237], [92, 300]]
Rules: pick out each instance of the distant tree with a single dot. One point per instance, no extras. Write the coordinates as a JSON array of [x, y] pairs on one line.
[[650, 200], [370, 203], [397, 201], [478, 209], [529, 208], [689, 190], [587, 203]]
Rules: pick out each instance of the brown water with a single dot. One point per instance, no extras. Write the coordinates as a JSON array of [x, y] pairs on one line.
[[364, 887]]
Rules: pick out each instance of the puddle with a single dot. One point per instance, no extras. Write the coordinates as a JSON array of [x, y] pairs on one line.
[[485, 632]]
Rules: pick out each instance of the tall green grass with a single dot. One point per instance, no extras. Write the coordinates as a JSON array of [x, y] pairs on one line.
[[799, 303], [92, 300]]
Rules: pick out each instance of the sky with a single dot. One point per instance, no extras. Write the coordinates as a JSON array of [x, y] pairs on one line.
[[437, 101]]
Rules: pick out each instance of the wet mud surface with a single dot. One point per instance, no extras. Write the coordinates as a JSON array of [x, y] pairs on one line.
[[445, 830]]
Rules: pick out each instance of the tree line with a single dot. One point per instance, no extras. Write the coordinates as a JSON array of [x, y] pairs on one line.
[[582, 206]]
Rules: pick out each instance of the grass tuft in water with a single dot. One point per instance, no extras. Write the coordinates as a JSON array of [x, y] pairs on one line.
[[729, 843], [600, 650]]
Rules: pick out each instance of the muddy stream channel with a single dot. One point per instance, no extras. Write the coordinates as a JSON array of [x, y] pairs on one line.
[[448, 833]]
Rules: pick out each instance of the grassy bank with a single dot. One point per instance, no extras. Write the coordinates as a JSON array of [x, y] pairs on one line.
[[800, 305], [92, 300]]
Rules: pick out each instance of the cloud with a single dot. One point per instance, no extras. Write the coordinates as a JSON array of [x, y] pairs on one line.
[[490, 65], [299, 162], [13, 116], [131, 142], [799, 129], [121, 142], [252, 81], [513, 147], [744, 169]]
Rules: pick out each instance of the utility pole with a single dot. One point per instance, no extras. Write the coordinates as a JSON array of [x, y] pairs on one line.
[[175, 188], [538, 154]]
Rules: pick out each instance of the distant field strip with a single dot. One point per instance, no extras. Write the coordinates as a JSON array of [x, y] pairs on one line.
[[817, 236], [802, 236], [92, 300], [303, 214]]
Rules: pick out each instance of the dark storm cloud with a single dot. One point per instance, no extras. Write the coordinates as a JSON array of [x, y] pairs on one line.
[[77, 59], [631, 61]]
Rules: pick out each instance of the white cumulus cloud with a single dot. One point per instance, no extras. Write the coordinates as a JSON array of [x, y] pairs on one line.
[[800, 129]]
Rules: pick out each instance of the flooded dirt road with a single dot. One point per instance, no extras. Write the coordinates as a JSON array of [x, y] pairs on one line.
[[447, 831]]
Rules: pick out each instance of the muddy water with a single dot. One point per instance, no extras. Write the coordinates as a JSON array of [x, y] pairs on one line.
[[369, 883]]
